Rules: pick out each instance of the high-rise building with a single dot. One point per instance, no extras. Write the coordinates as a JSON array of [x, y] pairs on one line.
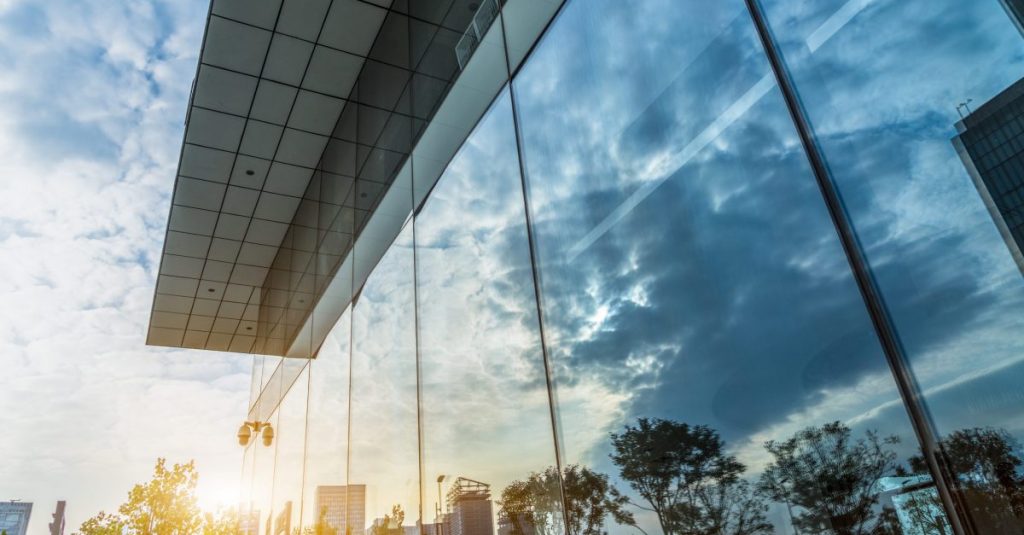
[[14, 516], [57, 525], [990, 143], [337, 507], [470, 510]]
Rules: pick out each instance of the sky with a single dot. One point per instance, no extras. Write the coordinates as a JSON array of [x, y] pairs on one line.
[[92, 104]]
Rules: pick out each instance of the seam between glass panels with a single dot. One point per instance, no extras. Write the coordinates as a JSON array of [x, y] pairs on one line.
[[534, 272], [874, 301]]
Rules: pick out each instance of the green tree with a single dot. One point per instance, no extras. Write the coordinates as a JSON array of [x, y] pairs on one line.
[[830, 477], [534, 505], [689, 482], [166, 505]]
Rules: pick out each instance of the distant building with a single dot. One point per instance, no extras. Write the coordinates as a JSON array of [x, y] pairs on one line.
[[916, 503], [991, 145], [339, 506], [283, 521], [471, 511], [14, 517], [57, 526]]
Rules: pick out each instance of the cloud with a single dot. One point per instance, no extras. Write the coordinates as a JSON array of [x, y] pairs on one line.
[[722, 295], [91, 108]]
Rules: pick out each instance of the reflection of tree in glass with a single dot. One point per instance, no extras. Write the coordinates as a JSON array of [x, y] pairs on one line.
[[692, 486], [391, 524], [531, 507], [830, 477], [987, 466]]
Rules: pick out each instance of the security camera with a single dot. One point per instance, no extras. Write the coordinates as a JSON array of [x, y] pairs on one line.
[[244, 434], [268, 435]]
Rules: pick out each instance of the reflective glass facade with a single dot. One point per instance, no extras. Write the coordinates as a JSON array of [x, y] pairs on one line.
[[692, 268]]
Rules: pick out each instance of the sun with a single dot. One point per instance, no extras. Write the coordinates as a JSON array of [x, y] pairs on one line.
[[214, 495]]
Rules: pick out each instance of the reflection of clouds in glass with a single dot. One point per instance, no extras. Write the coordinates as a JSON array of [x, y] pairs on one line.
[[383, 433], [644, 317], [719, 297], [326, 451], [882, 94], [484, 407]]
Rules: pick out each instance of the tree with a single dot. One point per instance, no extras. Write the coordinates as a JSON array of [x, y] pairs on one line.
[[830, 477], [532, 506], [986, 464], [391, 524], [690, 483], [166, 505], [223, 522]]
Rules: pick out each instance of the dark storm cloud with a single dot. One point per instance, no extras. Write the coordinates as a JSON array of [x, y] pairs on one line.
[[748, 311]]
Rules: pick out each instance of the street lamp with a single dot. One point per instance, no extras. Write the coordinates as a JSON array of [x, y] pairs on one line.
[[440, 518], [247, 429]]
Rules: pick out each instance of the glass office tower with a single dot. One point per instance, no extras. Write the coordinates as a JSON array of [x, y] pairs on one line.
[[628, 266]]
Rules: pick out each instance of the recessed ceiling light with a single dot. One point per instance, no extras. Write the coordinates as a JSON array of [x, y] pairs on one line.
[[250, 172], [211, 290], [248, 328]]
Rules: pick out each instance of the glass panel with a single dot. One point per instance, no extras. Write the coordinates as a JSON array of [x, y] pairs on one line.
[[325, 494], [257, 379], [485, 414], [887, 85], [263, 481], [248, 522], [716, 370], [290, 436], [383, 468]]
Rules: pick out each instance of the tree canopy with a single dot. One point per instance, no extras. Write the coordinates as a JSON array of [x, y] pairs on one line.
[[534, 505], [687, 479], [166, 505], [830, 476]]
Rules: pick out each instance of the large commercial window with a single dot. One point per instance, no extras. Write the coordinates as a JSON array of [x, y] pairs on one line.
[[487, 437], [884, 84], [384, 456], [713, 358], [259, 517], [290, 435], [325, 495]]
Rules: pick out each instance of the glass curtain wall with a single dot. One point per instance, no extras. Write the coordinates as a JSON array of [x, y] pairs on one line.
[[383, 437], [884, 85], [623, 306], [487, 438]]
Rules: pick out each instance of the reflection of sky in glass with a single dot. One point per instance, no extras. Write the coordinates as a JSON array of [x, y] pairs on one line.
[[716, 295], [327, 418], [484, 407], [290, 436], [384, 443], [689, 269], [882, 91]]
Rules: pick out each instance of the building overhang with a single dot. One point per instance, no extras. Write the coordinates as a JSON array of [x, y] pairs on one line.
[[305, 121]]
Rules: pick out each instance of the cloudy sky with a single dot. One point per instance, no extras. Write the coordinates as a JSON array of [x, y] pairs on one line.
[[92, 100]]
